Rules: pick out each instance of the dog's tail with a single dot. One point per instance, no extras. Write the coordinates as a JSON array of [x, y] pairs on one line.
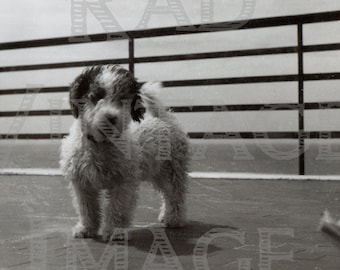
[[149, 94]]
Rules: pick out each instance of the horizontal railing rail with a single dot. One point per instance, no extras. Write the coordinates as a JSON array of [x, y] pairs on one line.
[[177, 30], [179, 57], [205, 108], [213, 81], [205, 135]]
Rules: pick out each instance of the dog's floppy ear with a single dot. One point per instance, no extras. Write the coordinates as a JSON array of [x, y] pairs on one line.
[[137, 107], [78, 89]]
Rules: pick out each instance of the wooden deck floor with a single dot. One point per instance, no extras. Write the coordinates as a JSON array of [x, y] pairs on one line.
[[230, 227]]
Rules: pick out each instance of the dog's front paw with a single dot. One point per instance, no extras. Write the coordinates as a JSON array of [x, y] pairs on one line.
[[173, 222], [80, 231], [107, 234], [117, 234]]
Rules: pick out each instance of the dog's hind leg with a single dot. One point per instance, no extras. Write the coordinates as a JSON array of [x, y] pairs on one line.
[[173, 210], [86, 202]]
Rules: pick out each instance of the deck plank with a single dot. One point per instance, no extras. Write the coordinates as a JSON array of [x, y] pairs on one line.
[[36, 218]]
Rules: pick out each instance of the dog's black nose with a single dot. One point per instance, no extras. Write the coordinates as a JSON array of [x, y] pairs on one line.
[[112, 119]]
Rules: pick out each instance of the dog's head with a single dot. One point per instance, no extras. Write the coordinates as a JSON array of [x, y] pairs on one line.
[[105, 98]]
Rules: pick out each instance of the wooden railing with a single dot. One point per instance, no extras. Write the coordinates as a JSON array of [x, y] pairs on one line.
[[300, 77]]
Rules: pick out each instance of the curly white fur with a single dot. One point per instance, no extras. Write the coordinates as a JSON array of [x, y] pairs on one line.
[[157, 152]]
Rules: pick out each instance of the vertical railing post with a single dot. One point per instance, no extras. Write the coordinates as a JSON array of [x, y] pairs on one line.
[[301, 101], [132, 55]]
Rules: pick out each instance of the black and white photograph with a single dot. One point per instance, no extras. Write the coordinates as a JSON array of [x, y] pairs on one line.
[[170, 134]]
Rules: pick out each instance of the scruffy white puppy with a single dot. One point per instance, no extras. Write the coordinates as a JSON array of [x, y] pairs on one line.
[[121, 135]]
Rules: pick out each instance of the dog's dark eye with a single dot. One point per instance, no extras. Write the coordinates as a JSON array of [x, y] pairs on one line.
[[97, 95]]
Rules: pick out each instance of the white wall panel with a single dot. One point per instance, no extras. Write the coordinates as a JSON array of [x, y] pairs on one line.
[[42, 101], [217, 41], [322, 120], [239, 121], [262, 93], [217, 68], [65, 53], [321, 33], [36, 124]]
